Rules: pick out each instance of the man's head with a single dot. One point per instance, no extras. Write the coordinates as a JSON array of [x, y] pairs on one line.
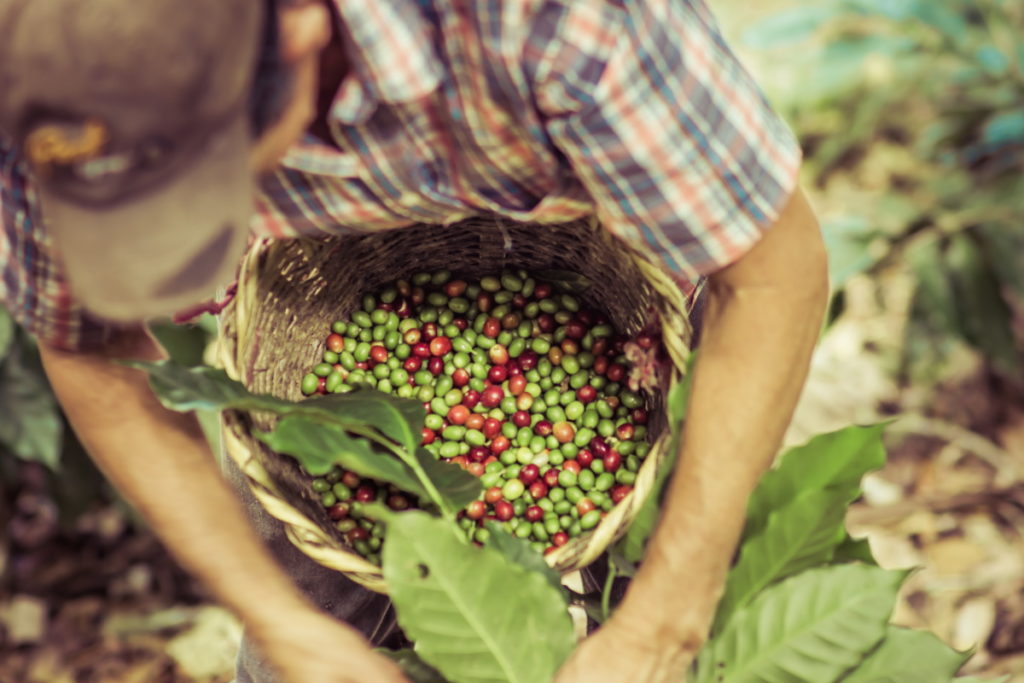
[[143, 122]]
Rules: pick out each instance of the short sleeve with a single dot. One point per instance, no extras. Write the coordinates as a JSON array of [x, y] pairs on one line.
[[32, 286], [675, 143]]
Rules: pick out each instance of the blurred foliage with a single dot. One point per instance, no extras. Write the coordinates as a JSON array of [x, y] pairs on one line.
[[33, 427], [922, 103]]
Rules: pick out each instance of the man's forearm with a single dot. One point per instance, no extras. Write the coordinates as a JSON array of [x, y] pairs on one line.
[[160, 461], [762, 320]]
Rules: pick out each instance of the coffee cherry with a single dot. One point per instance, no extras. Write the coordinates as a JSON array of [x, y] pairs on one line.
[[398, 502], [586, 394], [559, 539], [491, 396], [366, 493], [538, 489], [476, 509], [612, 461], [529, 474], [458, 414], [471, 398], [491, 427], [563, 431], [493, 494], [534, 513], [584, 457], [440, 346], [503, 510], [335, 342], [338, 510], [492, 328], [460, 377], [516, 385], [497, 374], [620, 492], [521, 418]]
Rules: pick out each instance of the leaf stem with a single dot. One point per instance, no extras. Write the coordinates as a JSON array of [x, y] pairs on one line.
[[606, 593]]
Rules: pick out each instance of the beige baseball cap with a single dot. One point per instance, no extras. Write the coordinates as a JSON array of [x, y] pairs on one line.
[[134, 119]]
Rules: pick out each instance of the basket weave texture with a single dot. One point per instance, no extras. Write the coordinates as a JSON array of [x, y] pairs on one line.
[[289, 293]]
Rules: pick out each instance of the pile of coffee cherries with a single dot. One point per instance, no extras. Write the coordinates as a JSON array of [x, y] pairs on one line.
[[523, 388]]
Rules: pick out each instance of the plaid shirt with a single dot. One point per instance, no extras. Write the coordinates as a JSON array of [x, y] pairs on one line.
[[535, 110]]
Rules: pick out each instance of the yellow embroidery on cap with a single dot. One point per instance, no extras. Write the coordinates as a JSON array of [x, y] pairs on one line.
[[52, 144]]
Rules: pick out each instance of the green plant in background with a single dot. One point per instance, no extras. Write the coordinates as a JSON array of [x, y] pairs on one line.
[[922, 102], [803, 602]]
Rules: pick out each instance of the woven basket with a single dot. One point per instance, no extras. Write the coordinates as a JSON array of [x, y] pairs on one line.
[[289, 293]]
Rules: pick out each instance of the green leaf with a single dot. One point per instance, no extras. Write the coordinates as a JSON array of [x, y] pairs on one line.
[[837, 460], [631, 547], [400, 419], [802, 533], [986, 317], [468, 609], [811, 627], [7, 328], [518, 550], [908, 656], [30, 423], [847, 242], [854, 550], [789, 26], [415, 669], [1007, 126], [934, 298], [457, 486], [319, 446], [202, 388]]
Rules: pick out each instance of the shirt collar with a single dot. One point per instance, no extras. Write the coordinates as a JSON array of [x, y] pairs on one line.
[[393, 59]]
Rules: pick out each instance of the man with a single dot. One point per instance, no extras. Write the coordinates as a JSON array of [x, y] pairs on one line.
[[126, 181]]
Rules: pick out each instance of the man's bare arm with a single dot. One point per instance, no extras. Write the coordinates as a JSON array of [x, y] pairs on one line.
[[763, 317], [160, 461]]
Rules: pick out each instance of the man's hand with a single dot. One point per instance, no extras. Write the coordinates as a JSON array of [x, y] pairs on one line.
[[311, 647], [621, 652]]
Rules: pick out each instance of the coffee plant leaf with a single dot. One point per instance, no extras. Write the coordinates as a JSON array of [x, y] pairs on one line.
[[6, 332], [518, 550], [908, 656], [813, 626], [801, 534], [467, 608], [854, 550], [30, 422], [836, 460], [185, 389], [457, 486], [986, 317], [319, 446], [414, 668], [631, 547], [400, 419]]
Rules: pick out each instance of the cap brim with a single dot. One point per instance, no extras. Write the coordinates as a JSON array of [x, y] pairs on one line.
[[166, 249]]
